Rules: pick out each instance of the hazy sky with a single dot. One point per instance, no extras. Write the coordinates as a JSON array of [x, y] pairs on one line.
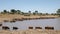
[[48, 6]]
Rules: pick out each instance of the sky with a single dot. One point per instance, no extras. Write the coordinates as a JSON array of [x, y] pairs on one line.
[[43, 6]]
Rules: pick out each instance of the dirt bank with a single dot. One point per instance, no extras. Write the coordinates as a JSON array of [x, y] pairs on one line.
[[29, 32], [9, 17]]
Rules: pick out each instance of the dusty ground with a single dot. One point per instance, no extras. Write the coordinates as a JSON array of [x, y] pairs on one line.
[[29, 32]]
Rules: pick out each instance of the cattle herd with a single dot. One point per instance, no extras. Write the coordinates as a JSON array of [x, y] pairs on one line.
[[15, 28]]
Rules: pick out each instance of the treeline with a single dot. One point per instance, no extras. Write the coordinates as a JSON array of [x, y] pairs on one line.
[[13, 11]]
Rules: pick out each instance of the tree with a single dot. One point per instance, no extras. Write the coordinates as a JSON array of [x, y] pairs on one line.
[[18, 11], [29, 12], [52, 13], [13, 11], [22, 13], [39, 14], [36, 12], [58, 12], [46, 14], [33, 13], [5, 11]]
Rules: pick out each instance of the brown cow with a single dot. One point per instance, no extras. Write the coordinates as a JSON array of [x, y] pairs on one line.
[[6, 21], [12, 21], [38, 27]]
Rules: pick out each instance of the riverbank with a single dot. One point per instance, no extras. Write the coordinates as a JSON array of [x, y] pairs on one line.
[[29, 32], [11, 17]]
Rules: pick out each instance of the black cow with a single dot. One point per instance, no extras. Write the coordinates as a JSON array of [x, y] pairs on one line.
[[50, 28], [5, 28], [30, 27], [15, 28], [0, 24]]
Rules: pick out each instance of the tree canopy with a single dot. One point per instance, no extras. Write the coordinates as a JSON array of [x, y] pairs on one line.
[[58, 11], [13, 11]]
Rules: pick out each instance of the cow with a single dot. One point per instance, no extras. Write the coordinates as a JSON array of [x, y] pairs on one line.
[[49, 28], [5, 28], [15, 28], [38, 27], [0, 24]]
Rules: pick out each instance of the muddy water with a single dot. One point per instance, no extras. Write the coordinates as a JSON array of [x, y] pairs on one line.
[[23, 25]]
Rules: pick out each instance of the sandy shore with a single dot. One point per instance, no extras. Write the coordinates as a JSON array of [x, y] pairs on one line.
[[10, 17], [29, 32]]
